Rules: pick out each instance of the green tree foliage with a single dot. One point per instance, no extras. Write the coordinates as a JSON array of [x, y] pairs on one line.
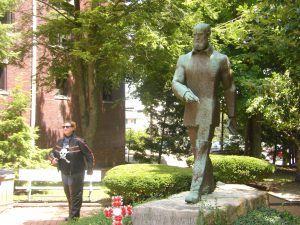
[[7, 35], [167, 134], [279, 102], [108, 42], [270, 35], [166, 131], [104, 44], [135, 143], [261, 40], [16, 136], [150, 145], [135, 140], [260, 37]]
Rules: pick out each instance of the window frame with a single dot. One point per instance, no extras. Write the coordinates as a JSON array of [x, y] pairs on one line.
[[3, 77], [62, 87], [8, 18]]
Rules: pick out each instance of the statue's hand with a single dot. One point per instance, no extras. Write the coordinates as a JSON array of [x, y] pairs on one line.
[[232, 125], [190, 97]]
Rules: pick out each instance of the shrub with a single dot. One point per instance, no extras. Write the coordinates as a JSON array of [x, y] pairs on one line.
[[138, 182], [16, 136], [267, 216], [238, 169]]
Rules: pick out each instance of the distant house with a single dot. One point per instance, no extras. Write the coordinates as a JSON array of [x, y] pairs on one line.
[[136, 119], [49, 109]]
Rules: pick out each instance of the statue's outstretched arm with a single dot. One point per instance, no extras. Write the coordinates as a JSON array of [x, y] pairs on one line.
[[179, 87]]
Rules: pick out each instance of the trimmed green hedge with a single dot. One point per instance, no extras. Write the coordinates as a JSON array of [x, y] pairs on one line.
[[138, 182], [239, 169]]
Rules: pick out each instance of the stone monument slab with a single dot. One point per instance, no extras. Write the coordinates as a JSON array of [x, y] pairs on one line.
[[223, 206]]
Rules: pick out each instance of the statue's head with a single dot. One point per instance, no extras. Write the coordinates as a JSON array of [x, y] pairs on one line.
[[201, 33]]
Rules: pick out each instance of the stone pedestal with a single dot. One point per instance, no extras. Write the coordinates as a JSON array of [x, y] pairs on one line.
[[223, 206]]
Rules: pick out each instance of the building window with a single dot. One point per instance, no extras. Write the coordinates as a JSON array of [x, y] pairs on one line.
[[107, 92], [130, 121], [63, 89], [62, 86], [8, 18], [59, 41], [3, 75]]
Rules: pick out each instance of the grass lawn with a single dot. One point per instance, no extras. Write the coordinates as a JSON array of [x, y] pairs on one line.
[[281, 176]]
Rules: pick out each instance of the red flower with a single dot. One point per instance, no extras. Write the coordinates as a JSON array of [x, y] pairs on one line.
[[116, 204], [123, 211], [108, 212], [118, 218], [129, 210], [117, 198], [117, 211]]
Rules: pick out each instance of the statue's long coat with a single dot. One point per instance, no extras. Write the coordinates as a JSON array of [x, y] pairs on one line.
[[201, 73]]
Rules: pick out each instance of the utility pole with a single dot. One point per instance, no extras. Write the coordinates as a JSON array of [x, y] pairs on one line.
[[33, 67], [222, 125]]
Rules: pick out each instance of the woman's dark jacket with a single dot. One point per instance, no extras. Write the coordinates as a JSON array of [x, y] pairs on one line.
[[79, 155]]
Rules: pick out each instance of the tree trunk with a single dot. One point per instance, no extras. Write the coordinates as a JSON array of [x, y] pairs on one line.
[[297, 177], [88, 96], [86, 93], [294, 139], [253, 137], [162, 139]]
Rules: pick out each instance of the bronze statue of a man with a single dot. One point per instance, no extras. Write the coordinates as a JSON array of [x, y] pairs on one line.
[[196, 81]]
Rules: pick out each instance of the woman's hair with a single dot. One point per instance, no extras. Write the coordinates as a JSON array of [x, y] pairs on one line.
[[73, 124]]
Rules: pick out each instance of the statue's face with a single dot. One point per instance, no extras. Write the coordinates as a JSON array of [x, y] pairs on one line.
[[201, 40]]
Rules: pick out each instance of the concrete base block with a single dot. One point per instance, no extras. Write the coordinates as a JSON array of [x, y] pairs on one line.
[[223, 206]]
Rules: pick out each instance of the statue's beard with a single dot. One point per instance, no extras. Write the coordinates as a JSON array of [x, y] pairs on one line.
[[200, 46]]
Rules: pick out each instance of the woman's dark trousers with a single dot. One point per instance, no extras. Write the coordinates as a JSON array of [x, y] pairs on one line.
[[73, 187]]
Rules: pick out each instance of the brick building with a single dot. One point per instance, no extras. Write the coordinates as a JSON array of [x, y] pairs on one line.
[[50, 108]]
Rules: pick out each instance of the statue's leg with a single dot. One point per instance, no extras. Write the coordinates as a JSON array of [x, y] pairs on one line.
[[208, 183], [203, 180], [199, 172]]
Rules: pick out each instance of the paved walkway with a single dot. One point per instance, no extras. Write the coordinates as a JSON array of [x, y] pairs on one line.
[[286, 197], [42, 213]]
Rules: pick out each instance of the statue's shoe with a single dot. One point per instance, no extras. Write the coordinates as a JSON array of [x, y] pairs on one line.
[[192, 197]]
